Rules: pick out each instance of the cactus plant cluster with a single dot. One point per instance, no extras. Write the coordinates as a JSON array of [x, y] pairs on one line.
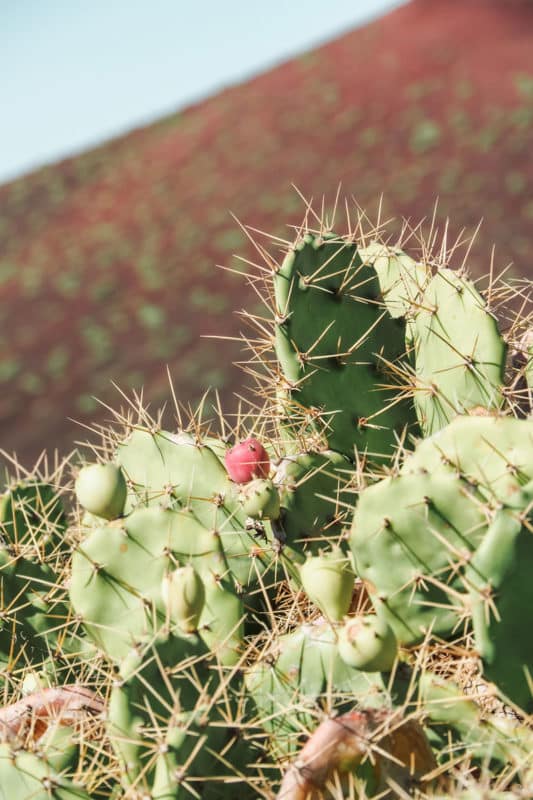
[[287, 606]]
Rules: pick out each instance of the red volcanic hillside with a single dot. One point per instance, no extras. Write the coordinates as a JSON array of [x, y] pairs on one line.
[[107, 260]]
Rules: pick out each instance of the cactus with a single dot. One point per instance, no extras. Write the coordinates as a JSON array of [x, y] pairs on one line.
[[368, 643], [185, 475], [260, 499], [169, 732], [453, 522], [183, 594], [27, 777], [464, 728], [459, 352], [32, 517], [222, 620], [527, 348], [290, 682], [170, 643], [328, 580], [314, 497], [118, 573], [491, 453], [402, 280], [500, 589], [334, 343], [101, 490], [411, 537]]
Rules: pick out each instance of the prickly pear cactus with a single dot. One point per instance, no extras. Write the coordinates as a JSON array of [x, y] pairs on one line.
[[335, 340], [288, 684], [315, 602], [500, 590], [163, 714], [459, 352], [26, 776], [402, 280], [454, 523], [118, 573], [32, 516], [314, 497], [185, 475]]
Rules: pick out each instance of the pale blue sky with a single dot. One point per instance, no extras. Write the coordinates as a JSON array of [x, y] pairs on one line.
[[76, 72]]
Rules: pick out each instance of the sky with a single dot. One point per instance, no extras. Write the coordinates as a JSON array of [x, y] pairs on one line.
[[74, 73]]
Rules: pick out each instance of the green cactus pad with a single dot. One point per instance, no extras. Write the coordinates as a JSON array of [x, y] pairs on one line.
[[501, 595], [164, 721], [148, 692], [401, 278], [34, 612], [25, 776], [118, 571], [462, 724], [410, 538], [305, 666], [221, 624], [459, 352], [334, 338], [60, 748], [260, 499], [527, 344], [493, 453], [32, 517], [176, 471], [197, 739], [314, 499]]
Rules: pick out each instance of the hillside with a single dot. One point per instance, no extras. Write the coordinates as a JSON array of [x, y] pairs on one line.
[[108, 260]]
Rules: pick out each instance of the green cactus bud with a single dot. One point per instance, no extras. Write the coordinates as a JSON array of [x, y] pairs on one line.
[[260, 499], [328, 581], [101, 490], [183, 594], [368, 643]]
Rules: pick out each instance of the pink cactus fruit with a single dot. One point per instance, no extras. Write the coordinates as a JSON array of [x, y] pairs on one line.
[[247, 460]]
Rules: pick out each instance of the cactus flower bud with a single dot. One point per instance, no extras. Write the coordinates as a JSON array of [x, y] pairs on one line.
[[183, 594], [368, 643], [328, 581], [101, 489]]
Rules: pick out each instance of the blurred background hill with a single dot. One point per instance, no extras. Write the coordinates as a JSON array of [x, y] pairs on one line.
[[108, 260]]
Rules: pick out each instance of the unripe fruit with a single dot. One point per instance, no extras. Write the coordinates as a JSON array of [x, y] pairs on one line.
[[368, 643], [101, 489], [328, 581], [183, 594], [247, 460], [260, 499]]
